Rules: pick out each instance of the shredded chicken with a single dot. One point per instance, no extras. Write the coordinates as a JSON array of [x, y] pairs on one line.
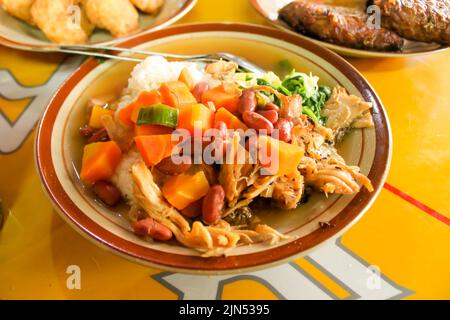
[[288, 190], [293, 109], [259, 186], [262, 232], [344, 111], [340, 179], [311, 136], [220, 68], [322, 167], [117, 132], [236, 172], [212, 240], [149, 197]]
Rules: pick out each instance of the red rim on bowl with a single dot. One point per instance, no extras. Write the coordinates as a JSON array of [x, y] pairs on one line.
[[193, 264]]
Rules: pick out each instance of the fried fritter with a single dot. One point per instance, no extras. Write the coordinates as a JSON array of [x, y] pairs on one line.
[[18, 8], [120, 17], [62, 21], [340, 25], [149, 6], [419, 20]]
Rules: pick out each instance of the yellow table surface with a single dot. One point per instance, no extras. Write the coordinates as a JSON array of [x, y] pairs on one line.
[[405, 235]]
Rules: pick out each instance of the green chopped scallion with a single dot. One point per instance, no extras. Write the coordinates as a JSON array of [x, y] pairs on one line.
[[160, 114]]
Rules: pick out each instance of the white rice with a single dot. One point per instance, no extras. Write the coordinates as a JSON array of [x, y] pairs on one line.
[[153, 71]]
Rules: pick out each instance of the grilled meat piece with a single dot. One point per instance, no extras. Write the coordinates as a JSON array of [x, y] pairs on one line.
[[419, 20], [340, 25]]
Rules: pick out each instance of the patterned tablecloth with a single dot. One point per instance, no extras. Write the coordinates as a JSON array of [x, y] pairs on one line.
[[399, 249]]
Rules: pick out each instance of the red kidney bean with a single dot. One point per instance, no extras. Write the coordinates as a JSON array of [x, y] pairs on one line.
[[107, 192], [167, 166], [284, 127], [223, 129], [247, 102], [99, 135], [213, 204], [152, 228], [193, 210], [270, 115], [257, 121], [272, 106], [199, 89], [220, 138], [86, 131]]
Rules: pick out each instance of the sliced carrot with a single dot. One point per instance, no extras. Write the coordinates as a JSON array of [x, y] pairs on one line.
[[186, 78], [151, 129], [95, 121], [128, 115], [279, 157], [197, 117], [176, 94], [148, 98], [230, 119], [223, 96], [125, 114], [145, 99], [184, 189], [100, 159], [154, 148]]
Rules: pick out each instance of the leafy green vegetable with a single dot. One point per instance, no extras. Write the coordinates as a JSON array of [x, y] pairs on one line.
[[313, 95], [262, 82], [272, 98]]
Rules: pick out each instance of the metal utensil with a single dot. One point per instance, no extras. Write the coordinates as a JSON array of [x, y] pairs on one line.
[[127, 55]]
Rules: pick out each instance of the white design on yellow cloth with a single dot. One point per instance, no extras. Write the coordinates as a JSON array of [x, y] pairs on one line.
[[290, 281], [14, 134]]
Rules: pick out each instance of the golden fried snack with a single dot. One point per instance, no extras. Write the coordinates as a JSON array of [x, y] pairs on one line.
[[120, 17], [149, 6], [18, 8], [62, 21]]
